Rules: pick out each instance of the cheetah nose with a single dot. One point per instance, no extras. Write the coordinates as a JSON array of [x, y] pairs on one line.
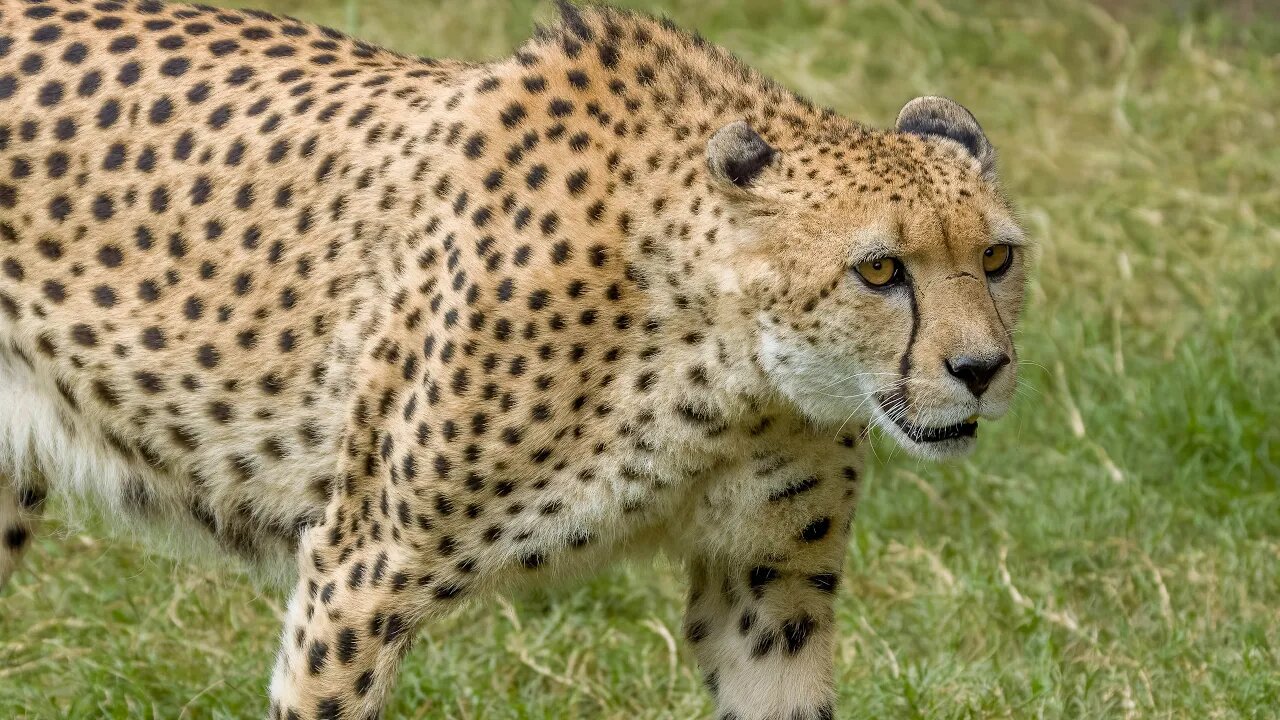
[[976, 372]]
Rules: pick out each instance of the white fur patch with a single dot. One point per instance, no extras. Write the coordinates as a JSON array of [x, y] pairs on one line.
[[727, 280], [825, 387], [37, 437]]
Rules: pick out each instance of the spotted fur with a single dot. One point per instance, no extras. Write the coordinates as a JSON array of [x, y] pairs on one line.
[[408, 332]]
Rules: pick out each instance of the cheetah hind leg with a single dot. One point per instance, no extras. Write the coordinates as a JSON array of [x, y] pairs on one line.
[[20, 509]]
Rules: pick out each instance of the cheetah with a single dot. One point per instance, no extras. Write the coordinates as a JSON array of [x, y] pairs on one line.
[[404, 333]]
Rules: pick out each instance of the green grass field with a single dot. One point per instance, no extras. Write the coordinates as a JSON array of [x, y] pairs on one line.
[[1111, 551]]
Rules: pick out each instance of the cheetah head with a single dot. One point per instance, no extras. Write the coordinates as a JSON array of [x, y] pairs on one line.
[[885, 272]]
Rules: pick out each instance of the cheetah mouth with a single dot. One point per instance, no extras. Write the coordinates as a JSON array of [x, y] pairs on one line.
[[938, 434], [923, 434]]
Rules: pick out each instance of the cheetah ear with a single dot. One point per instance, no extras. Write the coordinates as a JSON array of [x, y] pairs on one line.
[[941, 117], [736, 154]]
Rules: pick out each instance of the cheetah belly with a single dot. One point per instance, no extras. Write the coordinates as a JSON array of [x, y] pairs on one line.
[[42, 445]]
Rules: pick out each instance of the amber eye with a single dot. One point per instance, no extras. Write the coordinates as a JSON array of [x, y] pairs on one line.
[[880, 273], [996, 258]]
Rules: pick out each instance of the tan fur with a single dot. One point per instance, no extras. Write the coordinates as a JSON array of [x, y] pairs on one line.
[[441, 329]]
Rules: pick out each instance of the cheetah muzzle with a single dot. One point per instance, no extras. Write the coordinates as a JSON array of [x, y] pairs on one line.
[[405, 332]]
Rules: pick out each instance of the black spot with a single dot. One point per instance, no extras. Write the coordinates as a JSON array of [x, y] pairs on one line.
[[75, 53], [697, 631], [219, 48], [175, 67], [331, 708], [796, 633], [794, 489], [396, 627], [816, 530], [199, 93], [15, 537], [171, 42], [474, 147], [363, 683], [46, 34], [84, 335], [512, 115], [103, 207], [240, 75], [13, 269], [536, 177], [608, 55], [760, 576], [448, 591], [558, 108], [8, 195], [123, 44], [316, 656], [220, 117], [110, 256], [161, 111], [129, 74], [201, 189], [115, 157], [576, 182], [54, 290], [148, 290], [193, 308], [65, 129], [104, 296], [60, 208], [221, 412], [50, 93], [764, 644], [108, 114], [207, 356], [149, 382], [347, 645], [826, 582]]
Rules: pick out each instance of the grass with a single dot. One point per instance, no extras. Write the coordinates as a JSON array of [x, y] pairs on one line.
[[1112, 550]]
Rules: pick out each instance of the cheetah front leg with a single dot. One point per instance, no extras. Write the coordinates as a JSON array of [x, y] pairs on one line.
[[764, 638], [351, 619], [761, 611]]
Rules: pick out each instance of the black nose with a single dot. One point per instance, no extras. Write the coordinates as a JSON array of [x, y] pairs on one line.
[[976, 373]]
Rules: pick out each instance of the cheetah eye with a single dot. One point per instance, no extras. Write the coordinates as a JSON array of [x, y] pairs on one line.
[[881, 272], [996, 259]]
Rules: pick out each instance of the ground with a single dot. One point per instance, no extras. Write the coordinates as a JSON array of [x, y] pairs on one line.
[[1112, 549]]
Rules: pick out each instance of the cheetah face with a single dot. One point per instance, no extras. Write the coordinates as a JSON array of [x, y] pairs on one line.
[[917, 336], [892, 296]]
